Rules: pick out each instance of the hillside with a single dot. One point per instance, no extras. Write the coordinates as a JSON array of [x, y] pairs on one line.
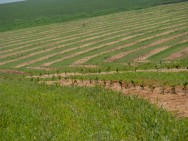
[[148, 35], [119, 74], [31, 13]]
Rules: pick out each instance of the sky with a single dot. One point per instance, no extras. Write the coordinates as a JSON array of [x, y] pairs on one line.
[[9, 1]]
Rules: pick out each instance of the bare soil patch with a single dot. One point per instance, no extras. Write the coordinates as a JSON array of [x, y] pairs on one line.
[[151, 53], [177, 55], [12, 71], [42, 68], [84, 66]]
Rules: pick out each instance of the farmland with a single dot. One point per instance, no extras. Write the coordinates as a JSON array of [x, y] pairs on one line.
[[119, 74], [31, 13], [152, 34]]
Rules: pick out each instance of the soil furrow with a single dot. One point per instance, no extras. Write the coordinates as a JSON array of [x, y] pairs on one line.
[[98, 47], [156, 51], [15, 53], [178, 55], [123, 54]]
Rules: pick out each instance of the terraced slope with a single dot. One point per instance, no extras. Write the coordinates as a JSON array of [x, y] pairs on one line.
[[136, 36]]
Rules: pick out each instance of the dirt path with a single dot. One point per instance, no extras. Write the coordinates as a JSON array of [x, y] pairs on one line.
[[176, 103], [123, 54]]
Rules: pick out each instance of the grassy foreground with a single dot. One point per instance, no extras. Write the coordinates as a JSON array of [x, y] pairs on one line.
[[29, 111]]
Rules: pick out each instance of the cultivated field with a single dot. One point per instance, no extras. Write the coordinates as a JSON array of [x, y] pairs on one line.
[[31, 13], [104, 71], [152, 34]]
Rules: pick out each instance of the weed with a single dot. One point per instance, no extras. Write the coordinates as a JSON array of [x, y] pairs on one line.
[[108, 69], [117, 70], [121, 83], [96, 80], [111, 83], [185, 88], [133, 83], [53, 78], [90, 80], [152, 87], [163, 88], [142, 86]]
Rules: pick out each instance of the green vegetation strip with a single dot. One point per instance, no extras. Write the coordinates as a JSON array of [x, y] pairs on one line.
[[154, 78]]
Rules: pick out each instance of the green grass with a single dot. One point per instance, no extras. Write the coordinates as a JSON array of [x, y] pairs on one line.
[[40, 12], [29, 111]]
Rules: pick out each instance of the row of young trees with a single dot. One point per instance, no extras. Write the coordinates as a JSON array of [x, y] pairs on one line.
[[121, 83]]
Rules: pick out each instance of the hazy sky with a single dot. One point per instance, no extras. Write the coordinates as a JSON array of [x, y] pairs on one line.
[[9, 1]]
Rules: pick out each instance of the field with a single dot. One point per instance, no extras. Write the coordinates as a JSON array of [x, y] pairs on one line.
[[116, 76], [153, 34], [32, 13]]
